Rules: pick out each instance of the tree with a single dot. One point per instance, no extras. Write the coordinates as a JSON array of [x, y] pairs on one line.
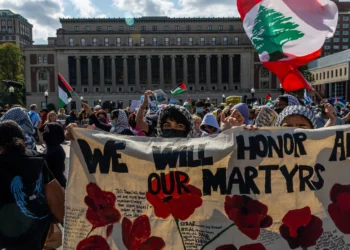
[[11, 68], [271, 31], [304, 70]]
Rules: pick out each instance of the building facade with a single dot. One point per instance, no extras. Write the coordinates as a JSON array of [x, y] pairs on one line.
[[331, 75], [115, 60], [15, 29]]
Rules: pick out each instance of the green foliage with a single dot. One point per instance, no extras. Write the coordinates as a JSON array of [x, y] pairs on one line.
[[271, 31], [304, 70], [11, 68]]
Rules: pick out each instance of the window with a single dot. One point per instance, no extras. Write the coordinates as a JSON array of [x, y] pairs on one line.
[[199, 27], [341, 72], [345, 40], [225, 41], [39, 59], [71, 42], [154, 28], [76, 28], [327, 40], [166, 41], [225, 88], [327, 47], [154, 41], [317, 76], [202, 41], [87, 28], [109, 28], [345, 47], [345, 33], [345, 18], [236, 40], [131, 28], [97, 89], [324, 75], [336, 73], [332, 74], [85, 90], [337, 33], [345, 71], [98, 28], [210, 27], [190, 41], [166, 27], [9, 23], [213, 88], [177, 27], [108, 90], [230, 27], [120, 28], [131, 89], [336, 47], [10, 30], [130, 41], [178, 41], [221, 27], [94, 42], [143, 28], [188, 27], [213, 41], [345, 25], [118, 41], [3, 23], [336, 40], [142, 41], [202, 88], [327, 74], [106, 41], [83, 42], [43, 75]]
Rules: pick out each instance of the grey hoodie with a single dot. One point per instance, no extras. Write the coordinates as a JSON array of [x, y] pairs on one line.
[[209, 119]]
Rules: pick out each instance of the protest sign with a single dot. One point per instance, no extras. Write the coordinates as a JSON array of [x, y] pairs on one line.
[[268, 189], [135, 104], [233, 100]]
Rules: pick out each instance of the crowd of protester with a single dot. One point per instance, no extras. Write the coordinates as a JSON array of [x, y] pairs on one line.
[[22, 131]]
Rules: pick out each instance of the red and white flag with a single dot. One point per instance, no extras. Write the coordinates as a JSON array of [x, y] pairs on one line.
[[288, 34]]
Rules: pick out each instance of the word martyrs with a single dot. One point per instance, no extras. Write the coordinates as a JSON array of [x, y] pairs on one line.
[[267, 189]]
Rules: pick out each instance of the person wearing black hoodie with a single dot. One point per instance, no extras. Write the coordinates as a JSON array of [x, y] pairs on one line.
[[55, 156]]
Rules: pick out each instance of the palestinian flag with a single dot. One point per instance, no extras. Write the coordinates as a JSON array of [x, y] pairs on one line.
[[338, 102], [288, 34], [179, 89], [64, 91], [268, 98]]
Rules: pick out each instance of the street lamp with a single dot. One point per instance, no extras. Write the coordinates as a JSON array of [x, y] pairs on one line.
[[46, 96], [11, 90], [253, 92], [223, 98], [100, 101], [81, 98]]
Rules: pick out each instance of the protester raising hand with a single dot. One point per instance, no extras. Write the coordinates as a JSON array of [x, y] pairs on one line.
[[328, 108], [234, 120]]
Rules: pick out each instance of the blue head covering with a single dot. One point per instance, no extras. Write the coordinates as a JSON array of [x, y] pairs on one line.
[[21, 117], [244, 110]]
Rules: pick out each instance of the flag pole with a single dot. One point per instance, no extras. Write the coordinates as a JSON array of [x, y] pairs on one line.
[[318, 94]]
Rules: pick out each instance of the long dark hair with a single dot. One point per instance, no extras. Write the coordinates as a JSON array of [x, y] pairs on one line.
[[12, 138]]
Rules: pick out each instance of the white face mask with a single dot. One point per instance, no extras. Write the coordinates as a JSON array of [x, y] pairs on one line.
[[114, 123]]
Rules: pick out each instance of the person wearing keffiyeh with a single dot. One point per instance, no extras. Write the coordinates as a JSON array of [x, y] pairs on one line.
[[22, 119]]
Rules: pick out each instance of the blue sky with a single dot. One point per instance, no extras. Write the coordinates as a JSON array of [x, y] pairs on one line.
[[45, 14]]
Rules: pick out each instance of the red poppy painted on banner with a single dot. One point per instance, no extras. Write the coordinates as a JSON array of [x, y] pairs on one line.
[[339, 210], [92, 243], [249, 215], [300, 228], [180, 206], [101, 207], [136, 236], [256, 246]]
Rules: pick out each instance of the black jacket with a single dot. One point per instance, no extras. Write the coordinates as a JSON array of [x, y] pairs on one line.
[[24, 213]]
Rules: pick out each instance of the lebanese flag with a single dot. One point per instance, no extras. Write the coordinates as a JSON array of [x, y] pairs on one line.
[[288, 34]]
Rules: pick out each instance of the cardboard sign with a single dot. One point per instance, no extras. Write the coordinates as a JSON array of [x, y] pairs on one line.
[[268, 189]]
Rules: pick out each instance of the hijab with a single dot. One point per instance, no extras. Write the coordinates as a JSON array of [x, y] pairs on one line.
[[122, 122], [22, 119]]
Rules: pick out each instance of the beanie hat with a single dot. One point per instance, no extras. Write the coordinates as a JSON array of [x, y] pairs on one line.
[[296, 110]]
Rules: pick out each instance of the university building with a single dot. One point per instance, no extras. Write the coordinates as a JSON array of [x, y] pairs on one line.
[[115, 60]]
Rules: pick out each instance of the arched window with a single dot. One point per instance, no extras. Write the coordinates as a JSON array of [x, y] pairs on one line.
[[264, 78], [43, 75], [94, 41], [83, 42], [236, 40], [43, 80]]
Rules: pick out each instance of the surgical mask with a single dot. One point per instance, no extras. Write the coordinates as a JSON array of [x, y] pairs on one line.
[[199, 110], [114, 123], [173, 133]]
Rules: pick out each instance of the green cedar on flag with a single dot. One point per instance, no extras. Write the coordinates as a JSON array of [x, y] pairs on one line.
[[179, 89], [288, 34], [64, 91]]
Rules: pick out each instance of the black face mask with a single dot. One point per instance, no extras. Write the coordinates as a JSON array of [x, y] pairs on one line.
[[278, 110], [102, 120], [173, 133]]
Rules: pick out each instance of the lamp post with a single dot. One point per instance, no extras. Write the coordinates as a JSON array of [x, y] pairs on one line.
[[46, 96], [282, 90], [100, 101], [253, 92], [11, 90], [223, 98]]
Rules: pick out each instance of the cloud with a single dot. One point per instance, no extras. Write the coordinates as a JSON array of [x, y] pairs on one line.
[[184, 8], [44, 15], [85, 8]]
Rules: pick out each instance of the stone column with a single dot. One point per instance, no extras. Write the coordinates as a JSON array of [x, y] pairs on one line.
[[173, 71], [149, 73], [196, 57], [78, 71], [185, 77], [219, 73], [114, 76], [90, 75], [125, 73], [102, 74], [230, 70], [208, 72], [161, 72], [137, 73]]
